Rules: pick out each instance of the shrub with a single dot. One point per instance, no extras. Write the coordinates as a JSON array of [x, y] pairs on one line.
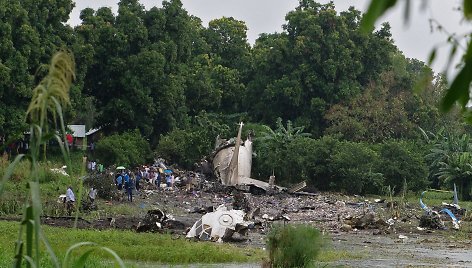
[[128, 149], [184, 147], [293, 245], [352, 168], [312, 157], [403, 161], [104, 183]]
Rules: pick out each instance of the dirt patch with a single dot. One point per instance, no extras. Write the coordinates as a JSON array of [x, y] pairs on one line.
[[378, 239]]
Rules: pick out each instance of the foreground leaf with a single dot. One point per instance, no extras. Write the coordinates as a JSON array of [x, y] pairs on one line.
[[375, 10]]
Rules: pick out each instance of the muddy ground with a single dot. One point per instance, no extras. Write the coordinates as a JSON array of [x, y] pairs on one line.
[[374, 243]]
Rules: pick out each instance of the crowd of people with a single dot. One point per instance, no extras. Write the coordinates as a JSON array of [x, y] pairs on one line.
[[94, 166], [129, 181]]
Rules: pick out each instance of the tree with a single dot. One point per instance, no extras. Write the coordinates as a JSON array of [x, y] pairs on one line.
[[30, 32], [450, 161], [403, 161], [129, 149], [458, 169], [227, 39], [273, 148], [458, 91], [321, 59]]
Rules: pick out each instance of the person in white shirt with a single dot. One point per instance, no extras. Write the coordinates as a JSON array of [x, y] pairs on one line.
[[92, 194], [70, 200]]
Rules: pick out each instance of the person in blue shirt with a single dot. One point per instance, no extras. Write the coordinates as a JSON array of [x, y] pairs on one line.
[[129, 187], [119, 182], [168, 180], [126, 178]]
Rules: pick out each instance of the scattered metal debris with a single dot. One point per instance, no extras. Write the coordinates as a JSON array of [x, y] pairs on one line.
[[220, 225], [432, 218], [61, 171], [366, 221], [156, 220], [297, 187]]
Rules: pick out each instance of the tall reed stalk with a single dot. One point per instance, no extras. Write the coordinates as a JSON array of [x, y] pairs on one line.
[[45, 116]]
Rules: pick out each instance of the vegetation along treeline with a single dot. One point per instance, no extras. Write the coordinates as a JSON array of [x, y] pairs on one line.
[[325, 101]]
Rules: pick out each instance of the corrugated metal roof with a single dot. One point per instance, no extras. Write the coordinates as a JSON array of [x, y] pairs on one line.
[[78, 131], [93, 130]]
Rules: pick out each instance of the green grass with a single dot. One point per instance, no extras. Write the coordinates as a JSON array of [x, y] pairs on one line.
[[52, 185], [132, 247], [433, 198]]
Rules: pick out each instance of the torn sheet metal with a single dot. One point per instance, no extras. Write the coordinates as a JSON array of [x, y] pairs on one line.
[[220, 225], [433, 215], [423, 206], [61, 199], [297, 187], [232, 162], [456, 199], [455, 222], [61, 171], [156, 220]]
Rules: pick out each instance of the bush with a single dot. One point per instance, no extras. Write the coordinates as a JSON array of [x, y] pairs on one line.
[[129, 149], [402, 161], [184, 147], [293, 245], [352, 167], [311, 158], [104, 183]]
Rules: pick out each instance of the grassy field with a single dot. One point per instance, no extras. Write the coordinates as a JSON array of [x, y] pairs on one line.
[[139, 250], [143, 248]]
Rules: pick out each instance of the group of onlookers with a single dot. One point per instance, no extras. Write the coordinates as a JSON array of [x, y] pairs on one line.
[[70, 198], [94, 166], [125, 180], [156, 176], [128, 181]]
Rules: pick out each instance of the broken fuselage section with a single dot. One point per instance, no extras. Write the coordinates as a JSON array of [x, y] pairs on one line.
[[232, 161]]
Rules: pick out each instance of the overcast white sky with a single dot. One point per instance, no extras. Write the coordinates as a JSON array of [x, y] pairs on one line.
[[267, 16]]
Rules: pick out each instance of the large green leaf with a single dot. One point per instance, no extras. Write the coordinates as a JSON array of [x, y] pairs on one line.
[[375, 10], [459, 89], [468, 9], [83, 258]]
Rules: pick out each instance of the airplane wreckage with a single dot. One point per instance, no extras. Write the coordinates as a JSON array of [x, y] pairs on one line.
[[232, 162]]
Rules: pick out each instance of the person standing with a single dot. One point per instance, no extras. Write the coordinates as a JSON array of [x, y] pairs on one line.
[[126, 178], [139, 175], [119, 182], [168, 180], [129, 189], [158, 180], [92, 195], [70, 200]]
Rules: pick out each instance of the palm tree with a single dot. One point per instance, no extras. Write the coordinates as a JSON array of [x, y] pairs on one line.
[[284, 134], [458, 169], [450, 161]]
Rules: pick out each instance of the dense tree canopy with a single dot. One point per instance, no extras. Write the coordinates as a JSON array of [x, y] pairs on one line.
[[30, 32], [179, 83], [320, 60]]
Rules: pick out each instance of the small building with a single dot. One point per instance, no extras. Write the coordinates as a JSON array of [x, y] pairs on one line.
[[94, 134], [78, 135]]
